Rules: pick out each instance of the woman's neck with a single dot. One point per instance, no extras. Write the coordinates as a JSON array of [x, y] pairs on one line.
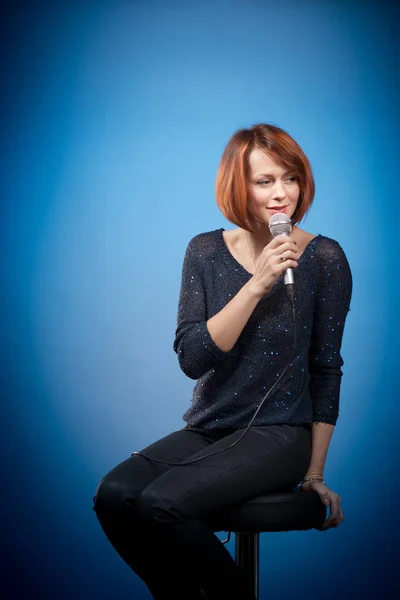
[[260, 238]]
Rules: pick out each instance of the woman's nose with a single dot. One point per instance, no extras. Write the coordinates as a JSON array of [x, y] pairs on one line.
[[278, 190]]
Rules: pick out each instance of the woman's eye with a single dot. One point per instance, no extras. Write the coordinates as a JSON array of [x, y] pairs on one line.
[[267, 181]]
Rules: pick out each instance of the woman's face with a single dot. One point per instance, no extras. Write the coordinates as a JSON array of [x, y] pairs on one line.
[[271, 188]]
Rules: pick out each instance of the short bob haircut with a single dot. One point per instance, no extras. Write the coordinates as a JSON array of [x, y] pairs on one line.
[[233, 170]]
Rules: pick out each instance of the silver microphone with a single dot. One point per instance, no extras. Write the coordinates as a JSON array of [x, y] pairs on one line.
[[280, 224]]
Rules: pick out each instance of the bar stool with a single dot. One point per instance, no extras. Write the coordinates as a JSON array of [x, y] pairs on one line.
[[278, 511]]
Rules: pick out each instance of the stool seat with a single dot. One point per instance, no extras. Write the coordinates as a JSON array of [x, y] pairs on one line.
[[286, 510], [278, 511]]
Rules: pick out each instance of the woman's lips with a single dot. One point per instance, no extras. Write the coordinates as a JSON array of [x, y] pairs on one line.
[[278, 209]]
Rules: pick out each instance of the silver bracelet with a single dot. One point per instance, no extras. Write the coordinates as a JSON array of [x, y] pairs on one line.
[[313, 479]]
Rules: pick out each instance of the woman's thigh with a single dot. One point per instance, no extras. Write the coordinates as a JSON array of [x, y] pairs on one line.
[[268, 458], [130, 477]]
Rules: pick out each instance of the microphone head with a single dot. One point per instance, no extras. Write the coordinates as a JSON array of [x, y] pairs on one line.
[[280, 224]]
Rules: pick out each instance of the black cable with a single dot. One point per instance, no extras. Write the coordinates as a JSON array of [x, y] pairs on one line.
[[189, 462]]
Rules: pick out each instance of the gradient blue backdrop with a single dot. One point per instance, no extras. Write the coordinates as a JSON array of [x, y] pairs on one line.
[[114, 118]]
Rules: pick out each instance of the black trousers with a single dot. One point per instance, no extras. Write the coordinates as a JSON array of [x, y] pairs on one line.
[[155, 515]]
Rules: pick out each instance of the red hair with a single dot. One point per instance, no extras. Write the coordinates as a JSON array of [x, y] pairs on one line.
[[233, 170]]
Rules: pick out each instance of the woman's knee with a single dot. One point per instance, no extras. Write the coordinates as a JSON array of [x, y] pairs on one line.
[[152, 505], [112, 494]]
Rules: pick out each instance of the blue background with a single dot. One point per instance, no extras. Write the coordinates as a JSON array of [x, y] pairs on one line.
[[114, 118]]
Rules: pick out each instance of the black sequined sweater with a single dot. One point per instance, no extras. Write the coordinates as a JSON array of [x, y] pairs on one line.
[[232, 384]]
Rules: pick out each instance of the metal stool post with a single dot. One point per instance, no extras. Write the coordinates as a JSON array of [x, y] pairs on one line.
[[283, 510], [247, 552]]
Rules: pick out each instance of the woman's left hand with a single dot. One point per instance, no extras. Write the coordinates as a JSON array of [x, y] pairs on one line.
[[328, 498]]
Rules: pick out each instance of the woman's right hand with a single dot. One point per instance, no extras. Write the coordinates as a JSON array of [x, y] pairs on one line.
[[270, 264]]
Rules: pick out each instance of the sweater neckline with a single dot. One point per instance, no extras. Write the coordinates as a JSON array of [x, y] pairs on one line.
[[239, 268]]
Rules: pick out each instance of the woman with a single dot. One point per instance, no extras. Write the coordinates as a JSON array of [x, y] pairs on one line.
[[234, 335]]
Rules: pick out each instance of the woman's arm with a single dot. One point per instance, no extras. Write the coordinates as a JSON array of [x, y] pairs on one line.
[[332, 302], [197, 353], [226, 326], [333, 295], [202, 344], [321, 437]]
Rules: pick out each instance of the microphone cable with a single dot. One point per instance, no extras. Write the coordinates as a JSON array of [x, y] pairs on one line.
[[194, 460]]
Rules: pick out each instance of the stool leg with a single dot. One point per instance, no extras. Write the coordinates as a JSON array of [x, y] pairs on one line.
[[247, 550]]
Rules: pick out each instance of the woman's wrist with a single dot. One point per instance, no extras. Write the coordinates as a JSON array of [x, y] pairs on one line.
[[255, 289], [312, 473]]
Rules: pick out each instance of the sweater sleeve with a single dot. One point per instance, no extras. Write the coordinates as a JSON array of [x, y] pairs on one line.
[[333, 295], [196, 350]]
